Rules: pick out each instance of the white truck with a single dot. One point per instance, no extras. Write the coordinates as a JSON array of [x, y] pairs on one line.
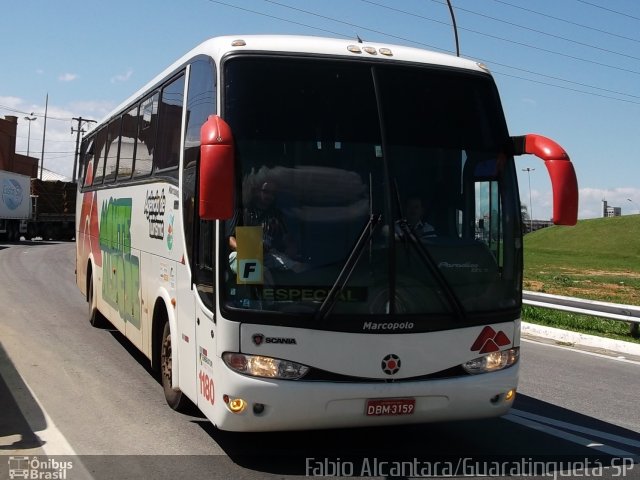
[[15, 204]]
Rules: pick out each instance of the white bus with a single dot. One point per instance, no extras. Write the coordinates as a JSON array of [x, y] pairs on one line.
[[308, 233]]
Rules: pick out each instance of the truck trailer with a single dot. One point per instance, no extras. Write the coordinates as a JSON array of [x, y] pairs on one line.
[[53, 210], [15, 204], [36, 208]]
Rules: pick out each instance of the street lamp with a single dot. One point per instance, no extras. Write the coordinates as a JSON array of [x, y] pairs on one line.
[[30, 119], [633, 203], [529, 170]]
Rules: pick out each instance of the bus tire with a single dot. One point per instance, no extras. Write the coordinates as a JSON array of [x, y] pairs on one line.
[[175, 398], [96, 319]]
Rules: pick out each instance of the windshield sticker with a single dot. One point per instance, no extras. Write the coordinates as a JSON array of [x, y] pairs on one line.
[[250, 255], [312, 294], [168, 275]]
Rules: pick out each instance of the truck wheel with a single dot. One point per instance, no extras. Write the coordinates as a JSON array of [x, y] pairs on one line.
[[32, 232], [13, 232], [96, 319], [175, 398]]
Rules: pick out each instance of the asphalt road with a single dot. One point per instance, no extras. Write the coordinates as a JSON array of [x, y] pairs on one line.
[[84, 395]]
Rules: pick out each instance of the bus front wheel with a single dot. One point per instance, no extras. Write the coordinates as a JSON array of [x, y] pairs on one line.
[[96, 319], [174, 397]]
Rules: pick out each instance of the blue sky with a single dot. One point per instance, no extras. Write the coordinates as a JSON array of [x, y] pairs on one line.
[[568, 69]]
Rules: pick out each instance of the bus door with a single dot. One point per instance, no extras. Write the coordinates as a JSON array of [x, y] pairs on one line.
[[205, 327]]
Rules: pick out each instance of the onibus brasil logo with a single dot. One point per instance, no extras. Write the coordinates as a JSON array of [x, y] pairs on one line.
[[38, 468]]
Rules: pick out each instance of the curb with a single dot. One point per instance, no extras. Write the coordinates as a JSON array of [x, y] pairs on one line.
[[581, 339]]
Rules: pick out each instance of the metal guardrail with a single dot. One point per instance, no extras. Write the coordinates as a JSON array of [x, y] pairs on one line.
[[612, 311]]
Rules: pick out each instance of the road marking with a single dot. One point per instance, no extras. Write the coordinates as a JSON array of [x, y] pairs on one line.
[[54, 442], [572, 348], [577, 428], [545, 427]]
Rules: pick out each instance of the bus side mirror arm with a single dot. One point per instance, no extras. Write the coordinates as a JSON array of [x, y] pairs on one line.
[[217, 167], [563, 176]]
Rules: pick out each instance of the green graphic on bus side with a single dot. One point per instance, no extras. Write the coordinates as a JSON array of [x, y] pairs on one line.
[[120, 269]]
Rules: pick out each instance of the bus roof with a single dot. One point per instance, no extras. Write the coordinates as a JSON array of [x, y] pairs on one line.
[[218, 47]]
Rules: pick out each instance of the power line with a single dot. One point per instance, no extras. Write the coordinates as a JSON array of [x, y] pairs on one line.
[[328, 18], [41, 115], [568, 21], [278, 18], [343, 22], [552, 35], [62, 152], [608, 9], [522, 44], [560, 79], [40, 138], [484, 60], [565, 88]]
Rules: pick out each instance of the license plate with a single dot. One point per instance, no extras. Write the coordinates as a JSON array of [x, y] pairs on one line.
[[390, 406]]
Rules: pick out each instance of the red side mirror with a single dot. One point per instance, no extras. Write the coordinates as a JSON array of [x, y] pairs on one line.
[[217, 156], [563, 177]]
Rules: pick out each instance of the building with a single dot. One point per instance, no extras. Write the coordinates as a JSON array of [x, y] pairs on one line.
[[533, 225], [9, 159], [608, 211]]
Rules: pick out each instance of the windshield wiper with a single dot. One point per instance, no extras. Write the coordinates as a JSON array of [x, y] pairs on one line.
[[427, 258], [343, 277]]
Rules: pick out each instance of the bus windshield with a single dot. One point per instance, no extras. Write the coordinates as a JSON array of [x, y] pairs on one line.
[[370, 190]]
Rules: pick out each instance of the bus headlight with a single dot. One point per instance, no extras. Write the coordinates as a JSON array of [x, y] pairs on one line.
[[493, 361], [267, 367]]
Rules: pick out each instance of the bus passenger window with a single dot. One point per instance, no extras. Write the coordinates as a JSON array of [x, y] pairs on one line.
[[169, 126], [147, 126], [201, 102], [86, 156], [128, 143], [113, 139], [98, 161]]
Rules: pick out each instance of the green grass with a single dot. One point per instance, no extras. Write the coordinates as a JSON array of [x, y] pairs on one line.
[[600, 327], [598, 259]]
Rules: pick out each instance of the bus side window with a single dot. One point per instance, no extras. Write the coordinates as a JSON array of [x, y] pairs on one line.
[[147, 126], [86, 154], [169, 126], [113, 143], [201, 102], [98, 159], [205, 267], [128, 143]]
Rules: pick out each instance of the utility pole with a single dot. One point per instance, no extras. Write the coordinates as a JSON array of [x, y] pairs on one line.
[[78, 130], [529, 170], [44, 134]]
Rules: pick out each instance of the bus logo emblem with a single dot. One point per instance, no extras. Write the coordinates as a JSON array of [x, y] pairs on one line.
[[258, 339], [391, 364], [490, 341]]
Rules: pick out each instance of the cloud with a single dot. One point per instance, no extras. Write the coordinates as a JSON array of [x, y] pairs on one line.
[[67, 77], [122, 77], [12, 102], [589, 203], [627, 198], [93, 108]]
